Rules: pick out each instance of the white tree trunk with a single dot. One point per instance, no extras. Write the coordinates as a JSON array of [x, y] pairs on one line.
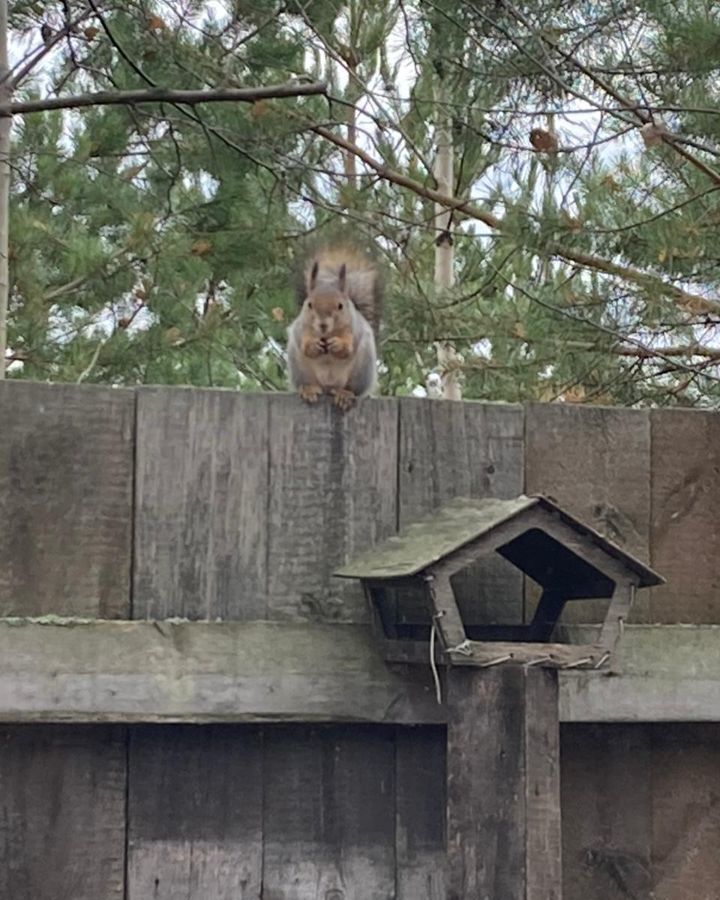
[[5, 124], [444, 255]]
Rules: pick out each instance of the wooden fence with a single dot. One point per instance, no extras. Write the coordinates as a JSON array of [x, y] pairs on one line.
[[157, 503]]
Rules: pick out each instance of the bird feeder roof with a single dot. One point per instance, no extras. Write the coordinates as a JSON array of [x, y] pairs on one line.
[[429, 540]]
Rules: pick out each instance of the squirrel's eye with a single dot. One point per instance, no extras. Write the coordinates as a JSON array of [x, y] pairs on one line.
[[309, 305], [340, 306]]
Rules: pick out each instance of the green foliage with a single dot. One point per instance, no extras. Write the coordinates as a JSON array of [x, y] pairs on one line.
[[155, 243]]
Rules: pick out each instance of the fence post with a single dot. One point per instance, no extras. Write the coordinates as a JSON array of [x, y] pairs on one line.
[[503, 780]]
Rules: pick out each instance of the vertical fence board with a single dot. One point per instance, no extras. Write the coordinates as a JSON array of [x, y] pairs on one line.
[[65, 499], [452, 449], [543, 839], [299, 862], [686, 811], [486, 824], [595, 462], [685, 501], [201, 521], [195, 813], [329, 814], [420, 813], [476, 450], [62, 812], [333, 494], [607, 807]]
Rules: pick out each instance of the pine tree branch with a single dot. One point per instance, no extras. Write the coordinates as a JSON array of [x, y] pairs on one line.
[[637, 351], [190, 114], [164, 95], [644, 116], [688, 300], [664, 353], [26, 65]]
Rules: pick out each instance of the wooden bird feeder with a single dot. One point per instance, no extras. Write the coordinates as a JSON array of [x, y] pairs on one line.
[[503, 815], [408, 580]]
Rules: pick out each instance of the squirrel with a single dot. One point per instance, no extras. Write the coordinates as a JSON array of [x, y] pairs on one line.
[[332, 342]]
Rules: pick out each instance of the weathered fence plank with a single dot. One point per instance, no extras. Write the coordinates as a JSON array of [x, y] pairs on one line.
[[62, 813], [606, 805], [298, 859], [452, 449], [195, 813], [641, 817], [595, 462], [667, 673], [205, 671], [476, 450], [685, 811], [260, 671], [543, 839], [201, 504], [685, 537], [420, 814], [329, 814], [66, 459], [503, 792], [333, 494], [486, 831]]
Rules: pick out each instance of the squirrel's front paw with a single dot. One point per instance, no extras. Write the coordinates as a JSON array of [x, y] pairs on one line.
[[343, 398], [310, 393], [339, 347], [314, 348]]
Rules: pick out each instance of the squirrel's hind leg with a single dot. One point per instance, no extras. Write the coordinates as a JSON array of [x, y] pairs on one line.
[[310, 393], [362, 380], [343, 398]]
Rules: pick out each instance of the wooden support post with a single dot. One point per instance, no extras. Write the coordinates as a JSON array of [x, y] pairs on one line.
[[503, 779], [548, 611]]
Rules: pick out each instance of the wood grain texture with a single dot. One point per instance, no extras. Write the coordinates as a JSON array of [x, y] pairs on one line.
[[606, 804], [485, 799], [205, 672], [641, 812], [685, 498], [685, 811], [659, 673], [201, 504], [329, 814], [195, 813], [502, 653], [271, 671], [65, 499], [62, 813], [420, 813], [595, 462], [332, 496], [452, 449], [543, 836], [472, 450]]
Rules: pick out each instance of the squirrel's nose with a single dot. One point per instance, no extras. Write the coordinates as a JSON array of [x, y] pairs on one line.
[[323, 327]]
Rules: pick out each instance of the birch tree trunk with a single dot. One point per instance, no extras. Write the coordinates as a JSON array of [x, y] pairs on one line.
[[5, 125], [444, 255], [350, 160]]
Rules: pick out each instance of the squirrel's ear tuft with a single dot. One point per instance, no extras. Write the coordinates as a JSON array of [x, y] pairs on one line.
[[313, 276], [341, 278]]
